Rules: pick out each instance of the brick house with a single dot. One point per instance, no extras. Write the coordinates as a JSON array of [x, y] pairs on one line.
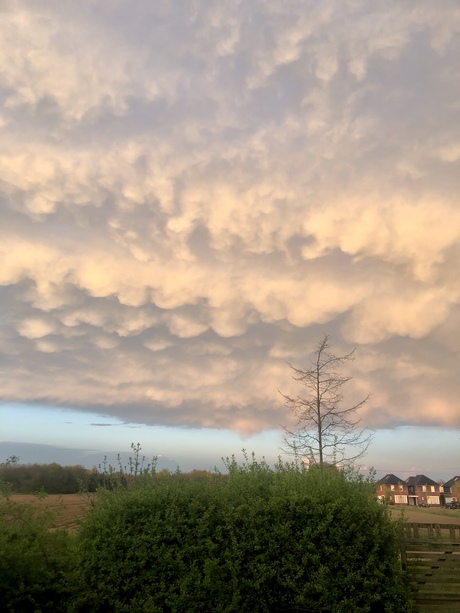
[[417, 490], [450, 490], [422, 489], [392, 488]]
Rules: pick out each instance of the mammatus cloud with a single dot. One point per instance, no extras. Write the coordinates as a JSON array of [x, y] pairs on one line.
[[192, 196]]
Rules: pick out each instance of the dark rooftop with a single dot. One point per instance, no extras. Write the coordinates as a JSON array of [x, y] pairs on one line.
[[420, 480], [452, 481], [390, 480]]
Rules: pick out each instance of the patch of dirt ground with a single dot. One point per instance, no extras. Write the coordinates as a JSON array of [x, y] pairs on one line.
[[69, 508]]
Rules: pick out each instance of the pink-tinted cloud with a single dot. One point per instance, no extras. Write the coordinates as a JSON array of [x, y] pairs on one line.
[[191, 197]]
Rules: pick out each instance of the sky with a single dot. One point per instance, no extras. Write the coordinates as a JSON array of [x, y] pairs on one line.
[[192, 194]]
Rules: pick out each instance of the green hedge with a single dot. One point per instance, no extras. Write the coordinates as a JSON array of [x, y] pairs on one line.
[[255, 540]]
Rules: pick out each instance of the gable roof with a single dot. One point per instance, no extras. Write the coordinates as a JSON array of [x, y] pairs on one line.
[[420, 480], [452, 481], [390, 480]]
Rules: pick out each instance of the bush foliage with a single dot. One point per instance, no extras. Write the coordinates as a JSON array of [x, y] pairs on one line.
[[254, 540], [36, 562]]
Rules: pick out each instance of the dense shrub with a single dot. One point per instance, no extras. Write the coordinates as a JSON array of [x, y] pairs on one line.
[[255, 540], [35, 561]]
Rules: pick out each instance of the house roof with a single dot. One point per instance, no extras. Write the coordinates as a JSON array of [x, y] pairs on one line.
[[420, 480], [390, 480], [452, 481]]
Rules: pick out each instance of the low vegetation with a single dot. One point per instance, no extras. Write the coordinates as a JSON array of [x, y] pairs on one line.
[[36, 561], [56, 479], [255, 539]]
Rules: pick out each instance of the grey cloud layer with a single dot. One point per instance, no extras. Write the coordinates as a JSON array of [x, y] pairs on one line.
[[192, 195]]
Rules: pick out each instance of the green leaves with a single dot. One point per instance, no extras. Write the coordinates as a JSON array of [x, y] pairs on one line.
[[36, 563], [256, 539]]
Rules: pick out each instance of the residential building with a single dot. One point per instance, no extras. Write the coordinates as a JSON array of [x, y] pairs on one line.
[[451, 490], [423, 490], [393, 489]]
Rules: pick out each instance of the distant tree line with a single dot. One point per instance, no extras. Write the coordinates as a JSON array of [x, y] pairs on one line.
[[50, 478], [56, 479]]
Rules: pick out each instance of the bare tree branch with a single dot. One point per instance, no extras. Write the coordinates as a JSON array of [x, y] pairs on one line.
[[324, 431]]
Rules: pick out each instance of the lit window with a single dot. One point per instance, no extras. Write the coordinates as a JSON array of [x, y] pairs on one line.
[[423, 488], [392, 487], [433, 488]]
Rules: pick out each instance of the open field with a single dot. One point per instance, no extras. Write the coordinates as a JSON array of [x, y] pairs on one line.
[[72, 507], [69, 507], [434, 515]]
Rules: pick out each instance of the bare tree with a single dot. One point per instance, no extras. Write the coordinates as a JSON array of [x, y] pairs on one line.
[[325, 432]]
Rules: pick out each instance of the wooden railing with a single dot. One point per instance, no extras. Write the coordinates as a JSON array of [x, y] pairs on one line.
[[431, 555]]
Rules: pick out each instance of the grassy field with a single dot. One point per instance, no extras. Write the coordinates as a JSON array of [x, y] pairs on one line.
[[72, 507], [432, 515]]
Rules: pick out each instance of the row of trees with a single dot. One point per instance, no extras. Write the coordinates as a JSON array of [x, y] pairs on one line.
[[56, 479], [50, 478]]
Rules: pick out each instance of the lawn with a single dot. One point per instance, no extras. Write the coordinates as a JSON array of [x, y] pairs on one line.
[[431, 515]]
